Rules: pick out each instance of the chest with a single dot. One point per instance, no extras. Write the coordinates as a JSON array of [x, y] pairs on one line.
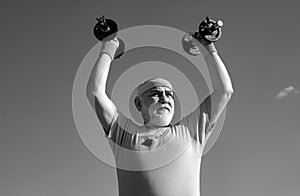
[[180, 175]]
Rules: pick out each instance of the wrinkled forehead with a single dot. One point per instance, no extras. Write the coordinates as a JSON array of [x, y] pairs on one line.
[[159, 88]]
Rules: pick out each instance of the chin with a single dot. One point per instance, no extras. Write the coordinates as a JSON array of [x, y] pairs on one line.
[[160, 120]]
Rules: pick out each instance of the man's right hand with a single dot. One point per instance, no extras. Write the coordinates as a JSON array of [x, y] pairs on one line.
[[110, 47]]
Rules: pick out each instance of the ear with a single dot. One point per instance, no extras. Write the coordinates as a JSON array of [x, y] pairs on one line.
[[137, 102]]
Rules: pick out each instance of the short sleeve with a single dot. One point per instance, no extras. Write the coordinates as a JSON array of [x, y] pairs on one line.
[[121, 131], [198, 122], [206, 108]]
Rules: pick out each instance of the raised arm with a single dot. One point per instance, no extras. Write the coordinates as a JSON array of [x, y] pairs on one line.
[[96, 87], [221, 82]]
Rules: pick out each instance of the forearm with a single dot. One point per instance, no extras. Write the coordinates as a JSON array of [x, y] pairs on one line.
[[95, 91], [219, 75], [99, 73]]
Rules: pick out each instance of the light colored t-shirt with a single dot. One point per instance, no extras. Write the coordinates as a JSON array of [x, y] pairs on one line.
[[163, 162]]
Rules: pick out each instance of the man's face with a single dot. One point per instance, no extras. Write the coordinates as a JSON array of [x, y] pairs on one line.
[[157, 106]]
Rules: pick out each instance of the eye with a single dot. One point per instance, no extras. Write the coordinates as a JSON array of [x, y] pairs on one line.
[[154, 94], [169, 94]]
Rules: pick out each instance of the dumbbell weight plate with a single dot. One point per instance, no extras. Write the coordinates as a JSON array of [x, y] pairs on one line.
[[189, 46], [101, 32], [206, 32]]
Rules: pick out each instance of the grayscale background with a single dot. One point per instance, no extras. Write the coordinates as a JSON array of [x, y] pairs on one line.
[[42, 43]]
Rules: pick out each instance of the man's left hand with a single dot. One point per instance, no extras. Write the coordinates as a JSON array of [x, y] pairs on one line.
[[209, 46]]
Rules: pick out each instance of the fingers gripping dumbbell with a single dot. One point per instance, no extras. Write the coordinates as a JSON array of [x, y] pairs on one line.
[[107, 29]]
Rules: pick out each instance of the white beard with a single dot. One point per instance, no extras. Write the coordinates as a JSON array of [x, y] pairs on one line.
[[159, 117]]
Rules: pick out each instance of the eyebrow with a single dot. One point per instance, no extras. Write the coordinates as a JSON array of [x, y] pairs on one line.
[[157, 90]]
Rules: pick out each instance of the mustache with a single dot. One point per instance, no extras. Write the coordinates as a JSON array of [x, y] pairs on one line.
[[157, 106], [167, 106]]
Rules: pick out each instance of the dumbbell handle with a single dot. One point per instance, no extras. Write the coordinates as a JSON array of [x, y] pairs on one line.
[[104, 27], [210, 29], [217, 25], [107, 29]]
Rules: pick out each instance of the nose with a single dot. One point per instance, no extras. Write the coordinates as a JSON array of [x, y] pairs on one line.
[[163, 98]]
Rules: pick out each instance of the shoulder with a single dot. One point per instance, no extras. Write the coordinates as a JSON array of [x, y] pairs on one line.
[[121, 125]]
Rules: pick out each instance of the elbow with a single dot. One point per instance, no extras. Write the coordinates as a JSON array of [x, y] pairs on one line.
[[228, 95], [226, 91], [94, 91], [90, 89], [229, 92]]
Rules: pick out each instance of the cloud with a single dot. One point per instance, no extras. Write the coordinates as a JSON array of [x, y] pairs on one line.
[[287, 91]]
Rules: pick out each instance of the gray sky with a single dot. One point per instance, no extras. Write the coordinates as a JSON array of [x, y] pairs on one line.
[[44, 42]]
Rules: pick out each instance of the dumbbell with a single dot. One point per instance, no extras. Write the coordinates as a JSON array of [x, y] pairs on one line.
[[107, 29], [209, 30]]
